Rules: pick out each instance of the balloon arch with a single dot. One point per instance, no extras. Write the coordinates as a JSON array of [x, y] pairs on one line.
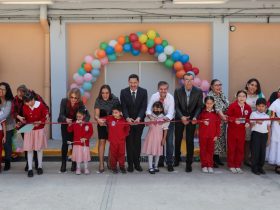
[[135, 43]]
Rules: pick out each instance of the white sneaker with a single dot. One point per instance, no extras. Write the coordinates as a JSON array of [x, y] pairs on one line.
[[210, 170], [239, 170], [204, 170], [233, 170]]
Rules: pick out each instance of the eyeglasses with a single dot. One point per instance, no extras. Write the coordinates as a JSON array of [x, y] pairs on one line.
[[188, 80], [218, 85], [104, 93], [73, 97]]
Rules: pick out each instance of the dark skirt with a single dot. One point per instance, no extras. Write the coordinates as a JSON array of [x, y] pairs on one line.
[[102, 132]]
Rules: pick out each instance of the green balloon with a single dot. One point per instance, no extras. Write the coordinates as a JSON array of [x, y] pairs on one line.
[[169, 63], [83, 64], [164, 43], [127, 39], [157, 34], [103, 45], [150, 43]]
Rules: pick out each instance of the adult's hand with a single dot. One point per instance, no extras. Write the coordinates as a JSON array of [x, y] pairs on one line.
[[185, 120], [101, 122], [21, 119], [68, 120]]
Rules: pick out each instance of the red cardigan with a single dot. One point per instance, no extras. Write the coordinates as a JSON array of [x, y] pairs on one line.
[[38, 113], [234, 111], [84, 130], [213, 129], [118, 129]]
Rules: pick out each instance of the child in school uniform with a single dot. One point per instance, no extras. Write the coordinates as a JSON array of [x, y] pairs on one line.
[[259, 136], [118, 130], [34, 112], [156, 136], [209, 131], [82, 131], [2, 139], [238, 115], [273, 155]]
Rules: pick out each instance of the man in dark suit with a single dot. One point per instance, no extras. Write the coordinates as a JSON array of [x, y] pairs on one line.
[[134, 104], [188, 105]]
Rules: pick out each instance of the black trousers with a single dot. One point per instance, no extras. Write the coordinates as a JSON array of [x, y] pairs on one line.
[[179, 129], [258, 148], [66, 136], [133, 145]]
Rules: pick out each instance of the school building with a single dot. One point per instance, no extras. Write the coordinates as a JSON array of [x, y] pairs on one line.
[[43, 43]]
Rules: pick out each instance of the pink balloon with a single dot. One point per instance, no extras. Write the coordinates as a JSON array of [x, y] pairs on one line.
[[197, 82], [204, 85], [88, 59], [79, 80], [104, 61], [87, 94], [87, 77], [73, 85]]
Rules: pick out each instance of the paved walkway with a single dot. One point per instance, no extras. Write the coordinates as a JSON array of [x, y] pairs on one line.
[[170, 191]]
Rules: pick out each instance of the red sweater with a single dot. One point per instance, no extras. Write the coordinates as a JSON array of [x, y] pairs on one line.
[[213, 129], [118, 129], [234, 111], [38, 113], [84, 130]]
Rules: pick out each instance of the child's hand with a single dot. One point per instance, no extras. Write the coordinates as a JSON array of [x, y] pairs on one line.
[[163, 141], [3, 140], [259, 122], [247, 125], [83, 140], [37, 123], [68, 120], [268, 142], [215, 138], [194, 121], [237, 122], [206, 122]]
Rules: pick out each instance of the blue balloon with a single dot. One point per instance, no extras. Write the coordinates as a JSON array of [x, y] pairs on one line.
[[87, 86], [159, 48], [95, 72], [185, 58], [93, 79], [175, 56], [139, 33], [135, 52], [81, 72], [127, 47], [82, 91], [109, 50], [112, 57]]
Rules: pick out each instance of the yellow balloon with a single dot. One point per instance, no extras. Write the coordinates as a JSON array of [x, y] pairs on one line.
[[143, 38], [151, 34]]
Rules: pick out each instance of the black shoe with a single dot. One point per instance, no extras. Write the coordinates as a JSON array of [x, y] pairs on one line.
[[115, 171], [170, 168], [123, 171], [7, 166], [138, 168], [63, 167], [30, 173], [152, 171], [262, 171], [256, 172], [36, 165], [176, 163], [39, 171], [156, 170], [73, 166], [188, 169], [161, 164], [26, 167], [215, 165], [247, 164], [130, 169]]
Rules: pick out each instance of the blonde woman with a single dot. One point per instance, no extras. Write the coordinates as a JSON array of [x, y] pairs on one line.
[[68, 110]]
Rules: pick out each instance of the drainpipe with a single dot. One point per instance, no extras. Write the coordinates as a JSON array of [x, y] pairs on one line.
[[46, 29]]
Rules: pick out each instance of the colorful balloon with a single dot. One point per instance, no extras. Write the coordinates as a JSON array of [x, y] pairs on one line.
[[103, 45], [88, 67], [79, 80], [87, 86], [100, 54], [73, 85], [144, 48], [95, 72], [88, 59], [195, 70], [135, 52], [197, 82], [164, 43], [127, 47], [151, 34], [184, 58], [151, 51], [87, 95], [176, 55], [81, 72], [159, 48], [104, 61], [136, 45], [143, 38], [118, 48], [180, 74], [112, 57], [168, 50], [204, 85], [113, 43], [87, 77], [169, 63], [110, 50], [121, 40], [158, 40], [150, 43], [187, 66], [178, 66], [96, 64], [162, 57], [133, 37]]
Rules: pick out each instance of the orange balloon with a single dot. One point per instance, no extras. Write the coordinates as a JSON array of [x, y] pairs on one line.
[[101, 54], [121, 40], [178, 66], [144, 48], [118, 48], [158, 40], [180, 74], [88, 67]]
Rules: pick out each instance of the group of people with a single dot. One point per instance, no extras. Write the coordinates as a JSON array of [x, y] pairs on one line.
[[240, 129]]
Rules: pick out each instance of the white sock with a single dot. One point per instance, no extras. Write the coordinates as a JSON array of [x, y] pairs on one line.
[[40, 158], [78, 165], [30, 159], [150, 158], [156, 161], [86, 164]]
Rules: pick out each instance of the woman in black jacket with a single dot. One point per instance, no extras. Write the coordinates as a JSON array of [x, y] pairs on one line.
[[68, 109]]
